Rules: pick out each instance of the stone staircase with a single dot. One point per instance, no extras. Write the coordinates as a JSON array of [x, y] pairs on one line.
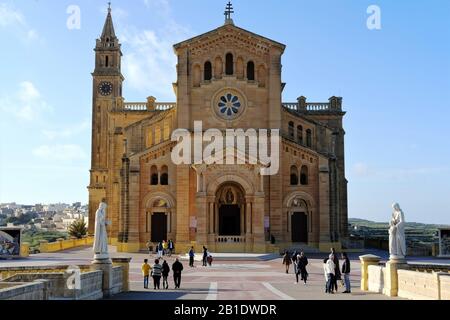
[[300, 247]]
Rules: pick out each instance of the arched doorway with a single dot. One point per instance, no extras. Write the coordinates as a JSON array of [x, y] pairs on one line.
[[159, 219], [230, 200], [299, 221]]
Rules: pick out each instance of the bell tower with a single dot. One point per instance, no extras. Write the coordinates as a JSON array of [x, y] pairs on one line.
[[107, 94]]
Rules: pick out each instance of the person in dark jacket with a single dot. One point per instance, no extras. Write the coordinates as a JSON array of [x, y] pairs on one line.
[[337, 270], [191, 257], [294, 260], [165, 274], [346, 273], [177, 268], [302, 262], [205, 256]]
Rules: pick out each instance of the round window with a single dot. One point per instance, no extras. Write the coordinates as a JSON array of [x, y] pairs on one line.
[[229, 104]]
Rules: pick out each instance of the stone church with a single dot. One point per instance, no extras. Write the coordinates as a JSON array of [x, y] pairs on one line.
[[227, 78]]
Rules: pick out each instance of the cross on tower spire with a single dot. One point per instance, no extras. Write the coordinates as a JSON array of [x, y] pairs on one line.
[[228, 11]]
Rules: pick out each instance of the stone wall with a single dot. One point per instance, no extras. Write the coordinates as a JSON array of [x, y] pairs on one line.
[[418, 285], [117, 277], [61, 244], [23, 291]]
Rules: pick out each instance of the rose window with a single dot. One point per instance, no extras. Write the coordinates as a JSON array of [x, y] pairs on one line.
[[229, 105]]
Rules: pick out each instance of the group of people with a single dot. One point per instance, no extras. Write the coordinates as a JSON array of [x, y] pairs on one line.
[[331, 266], [333, 273], [162, 248], [158, 271], [207, 258], [300, 261]]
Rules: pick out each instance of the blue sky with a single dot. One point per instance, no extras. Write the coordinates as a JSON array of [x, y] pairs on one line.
[[395, 84]]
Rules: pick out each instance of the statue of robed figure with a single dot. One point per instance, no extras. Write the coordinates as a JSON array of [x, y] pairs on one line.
[[101, 236], [397, 241]]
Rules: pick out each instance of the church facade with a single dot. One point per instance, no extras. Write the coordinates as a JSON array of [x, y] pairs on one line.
[[226, 78]]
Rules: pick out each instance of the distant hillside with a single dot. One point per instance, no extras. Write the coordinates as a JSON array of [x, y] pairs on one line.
[[376, 225]]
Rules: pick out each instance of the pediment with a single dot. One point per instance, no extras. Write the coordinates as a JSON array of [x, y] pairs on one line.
[[231, 35]]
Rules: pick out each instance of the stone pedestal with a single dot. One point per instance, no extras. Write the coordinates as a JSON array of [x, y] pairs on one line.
[[104, 264], [366, 261], [391, 276]]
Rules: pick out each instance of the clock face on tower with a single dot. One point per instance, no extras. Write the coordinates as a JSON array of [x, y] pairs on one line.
[[105, 88]]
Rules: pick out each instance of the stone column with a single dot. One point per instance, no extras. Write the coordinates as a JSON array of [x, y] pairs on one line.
[[324, 206], [366, 261], [249, 217], [259, 243], [211, 218], [391, 277], [202, 219], [105, 266]]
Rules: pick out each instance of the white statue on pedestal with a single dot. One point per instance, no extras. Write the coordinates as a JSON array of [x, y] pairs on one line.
[[101, 237], [397, 241]]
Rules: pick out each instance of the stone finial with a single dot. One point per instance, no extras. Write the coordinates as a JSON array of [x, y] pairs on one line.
[[301, 103], [151, 103]]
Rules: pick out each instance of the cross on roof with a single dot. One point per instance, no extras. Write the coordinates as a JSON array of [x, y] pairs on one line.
[[109, 6], [228, 11]]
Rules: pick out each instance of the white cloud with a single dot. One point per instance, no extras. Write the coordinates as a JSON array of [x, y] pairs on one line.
[[9, 16], [26, 104], [67, 131], [149, 62], [60, 152], [13, 19]]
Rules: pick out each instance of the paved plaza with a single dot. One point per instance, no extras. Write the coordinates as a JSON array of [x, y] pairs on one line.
[[232, 277]]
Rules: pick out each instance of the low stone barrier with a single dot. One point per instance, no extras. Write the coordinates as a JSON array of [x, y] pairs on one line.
[[23, 291], [417, 281], [418, 285], [376, 278], [61, 244]]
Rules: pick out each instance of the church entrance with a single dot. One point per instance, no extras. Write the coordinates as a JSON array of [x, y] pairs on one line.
[[229, 220], [159, 227], [230, 202], [300, 227]]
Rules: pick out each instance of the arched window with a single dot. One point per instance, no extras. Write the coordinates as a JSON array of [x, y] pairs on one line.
[[154, 176], [294, 176], [300, 134], [304, 176], [164, 176], [291, 130], [250, 71], [106, 61], [207, 72], [309, 138], [229, 68]]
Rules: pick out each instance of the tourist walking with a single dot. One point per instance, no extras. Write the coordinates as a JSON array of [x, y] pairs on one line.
[[346, 273], [160, 249], [209, 259], [205, 256], [191, 257], [146, 272], [294, 261], [165, 274], [302, 262], [149, 248], [177, 268], [330, 268], [156, 274], [171, 247], [325, 274], [287, 261], [165, 247], [337, 270]]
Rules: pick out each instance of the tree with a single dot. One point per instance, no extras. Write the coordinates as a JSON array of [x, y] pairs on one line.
[[78, 229]]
